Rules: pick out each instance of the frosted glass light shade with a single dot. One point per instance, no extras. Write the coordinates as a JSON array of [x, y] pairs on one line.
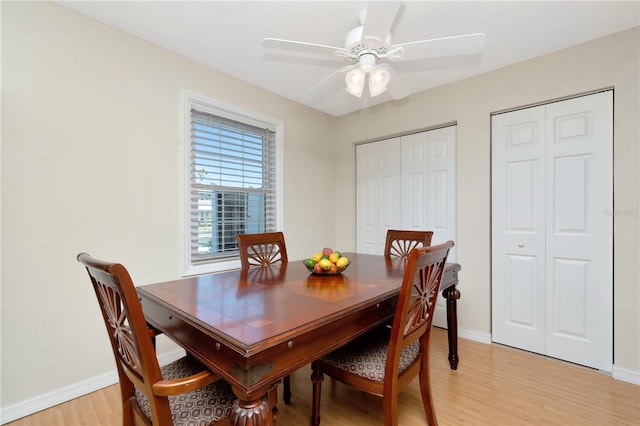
[[355, 81], [378, 80]]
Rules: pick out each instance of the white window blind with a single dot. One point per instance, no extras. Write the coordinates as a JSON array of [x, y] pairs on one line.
[[232, 182]]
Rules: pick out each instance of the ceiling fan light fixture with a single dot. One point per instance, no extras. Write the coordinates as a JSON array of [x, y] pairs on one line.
[[355, 81], [378, 80]]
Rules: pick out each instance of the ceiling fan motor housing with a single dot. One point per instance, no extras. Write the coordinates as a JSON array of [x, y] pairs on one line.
[[358, 46]]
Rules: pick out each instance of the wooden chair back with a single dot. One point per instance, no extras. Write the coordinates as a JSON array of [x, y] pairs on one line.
[[399, 243], [130, 336], [133, 342], [413, 321], [261, 249]]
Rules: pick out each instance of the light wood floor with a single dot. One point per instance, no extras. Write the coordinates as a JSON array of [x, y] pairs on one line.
[[494, 385]]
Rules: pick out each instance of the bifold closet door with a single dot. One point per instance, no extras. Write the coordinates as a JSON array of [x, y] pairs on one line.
[[552, 229], [408, 182]]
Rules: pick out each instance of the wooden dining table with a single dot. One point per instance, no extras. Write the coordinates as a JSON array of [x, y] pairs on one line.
[[255, 326]]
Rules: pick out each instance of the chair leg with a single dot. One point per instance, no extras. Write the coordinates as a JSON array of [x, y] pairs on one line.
[[427, 398], [286, 389], [390, 410], [316, 379]]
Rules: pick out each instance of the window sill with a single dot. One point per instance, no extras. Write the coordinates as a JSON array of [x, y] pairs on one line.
[[211, 268]]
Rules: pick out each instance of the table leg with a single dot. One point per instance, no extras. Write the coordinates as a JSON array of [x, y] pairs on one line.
[[316, 378], [252, 413], [286, 389], [452, 294]]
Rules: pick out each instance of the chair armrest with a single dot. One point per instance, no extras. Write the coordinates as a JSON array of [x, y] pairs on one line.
[[184, 384]]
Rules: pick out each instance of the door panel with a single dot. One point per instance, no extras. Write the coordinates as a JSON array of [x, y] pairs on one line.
[[522, 292], [518, 234], [413, 215], [440, 203], [571, 310], [438, 206], [580, 230], [521, 202], [428, 191], [571, 194], [377, 193], [414, 181]]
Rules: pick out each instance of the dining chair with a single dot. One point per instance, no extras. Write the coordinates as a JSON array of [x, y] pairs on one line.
[[264, 249], [183, 392], [384, 361], [399, 243]]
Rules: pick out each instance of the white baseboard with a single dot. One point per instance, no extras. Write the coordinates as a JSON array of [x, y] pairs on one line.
[[67, 393], [626, 375], [617, 373], [474, 335]]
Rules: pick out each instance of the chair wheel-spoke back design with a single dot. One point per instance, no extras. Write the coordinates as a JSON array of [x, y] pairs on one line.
[[385, 360], [425, 287], [261, 249], [264, 254], [183, 392], [110, 299], [399, 243]]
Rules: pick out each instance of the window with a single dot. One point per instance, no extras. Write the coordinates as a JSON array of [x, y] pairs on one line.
[[231, 181]]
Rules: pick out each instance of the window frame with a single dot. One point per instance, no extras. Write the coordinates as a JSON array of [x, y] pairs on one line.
[[189, 98]]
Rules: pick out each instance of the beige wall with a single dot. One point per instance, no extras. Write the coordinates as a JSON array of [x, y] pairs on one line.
[[90, 162], [607, 62]]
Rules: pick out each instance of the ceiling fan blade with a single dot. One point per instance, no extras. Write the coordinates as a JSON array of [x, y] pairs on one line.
[[300, 46], [330, 77], [378, 20], [396, 87], [446, 46]]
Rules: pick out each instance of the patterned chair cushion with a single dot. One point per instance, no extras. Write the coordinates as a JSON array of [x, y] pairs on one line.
[[367, 355], [200, 407]]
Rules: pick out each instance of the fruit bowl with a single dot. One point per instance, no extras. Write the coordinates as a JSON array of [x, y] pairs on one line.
[[327, 272], [327, 262]]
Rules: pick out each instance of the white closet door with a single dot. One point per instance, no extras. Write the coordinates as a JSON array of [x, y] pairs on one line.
[[378, 193], [518, 229], [407, 183], [580, 230], [552, 231]]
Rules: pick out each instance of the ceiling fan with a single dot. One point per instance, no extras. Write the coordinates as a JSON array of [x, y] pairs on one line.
[[368, 47]]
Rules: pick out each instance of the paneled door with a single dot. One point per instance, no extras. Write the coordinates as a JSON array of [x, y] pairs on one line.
[[407, 182], [552, 229]]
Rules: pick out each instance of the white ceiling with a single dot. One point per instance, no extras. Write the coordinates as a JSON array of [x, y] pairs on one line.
[[226, 35]]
